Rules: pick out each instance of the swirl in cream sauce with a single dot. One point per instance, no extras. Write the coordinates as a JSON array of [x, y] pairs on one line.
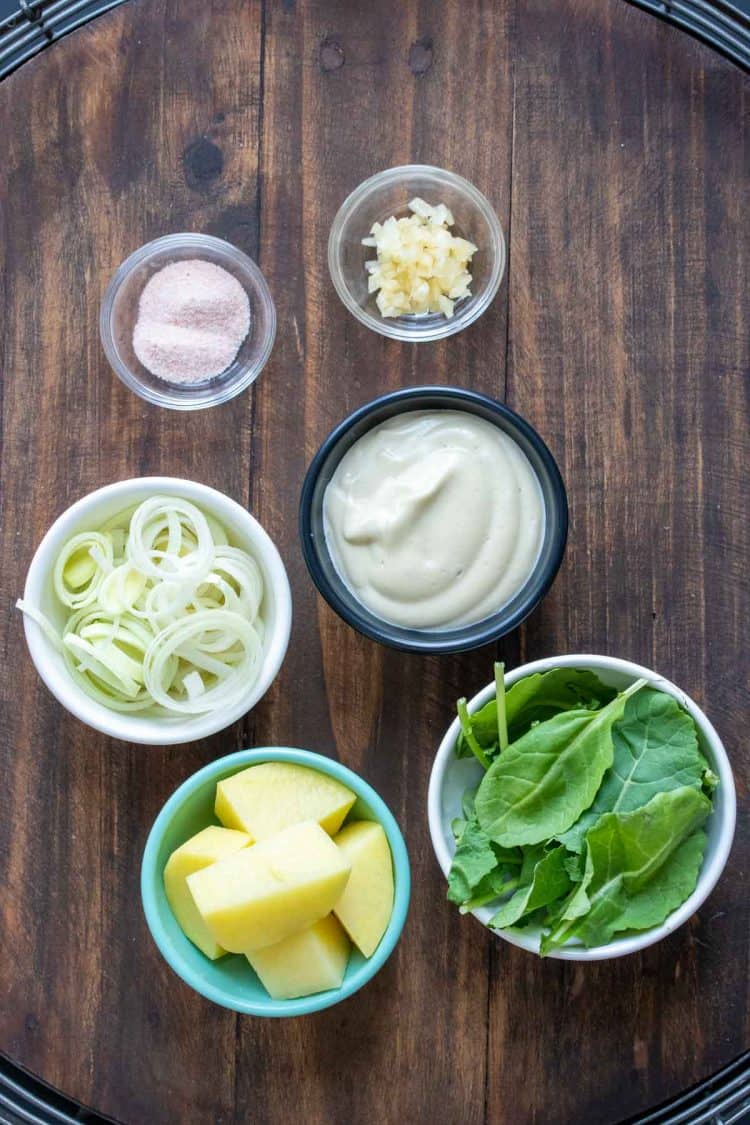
[[434, 519]]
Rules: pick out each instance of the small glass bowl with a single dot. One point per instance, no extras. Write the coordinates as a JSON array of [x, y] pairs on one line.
[[388, 193], [119, 313], [343, 600]]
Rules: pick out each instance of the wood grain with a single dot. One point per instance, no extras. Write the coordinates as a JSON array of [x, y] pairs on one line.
[[616, 153]]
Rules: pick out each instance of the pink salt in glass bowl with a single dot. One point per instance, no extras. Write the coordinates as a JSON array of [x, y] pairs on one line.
[[119, 313]]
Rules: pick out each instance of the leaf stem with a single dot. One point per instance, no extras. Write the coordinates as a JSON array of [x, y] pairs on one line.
[[468, 733], [482, 900], [559, 935], [502, 721]]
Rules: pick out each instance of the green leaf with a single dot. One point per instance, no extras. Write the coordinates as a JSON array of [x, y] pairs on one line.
[[477, 858], [538, 697], [541, 784], [457, 828], [492, 887], [543, 879], [655, 750], [624, 853], [668, 889], [535, 699], [535, 919], [467, 803], [473, 860], [574, 865]]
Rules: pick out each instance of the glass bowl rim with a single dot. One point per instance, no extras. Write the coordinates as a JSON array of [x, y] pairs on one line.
[[178, 241], [395, 328]]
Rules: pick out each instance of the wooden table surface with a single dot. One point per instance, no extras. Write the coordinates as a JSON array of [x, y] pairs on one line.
[[616, 153]]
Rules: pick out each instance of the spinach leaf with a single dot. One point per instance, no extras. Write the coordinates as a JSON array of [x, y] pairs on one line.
[[668, 889], [574, 865], [493, 886], [473, 860], [535, 699], [541, 784], [467, 803], [536, 919], [655, 750], [624, 853], [543, 880], [476, 859]]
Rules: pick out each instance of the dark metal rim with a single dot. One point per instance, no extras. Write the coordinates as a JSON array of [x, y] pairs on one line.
[[25, 1100], [718, 23], [723, 1099], [37, 23]]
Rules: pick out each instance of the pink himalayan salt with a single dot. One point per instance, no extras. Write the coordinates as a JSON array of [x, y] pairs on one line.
[[192, 318]]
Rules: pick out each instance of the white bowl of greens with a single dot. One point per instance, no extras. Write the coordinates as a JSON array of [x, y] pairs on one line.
[[581, 807]]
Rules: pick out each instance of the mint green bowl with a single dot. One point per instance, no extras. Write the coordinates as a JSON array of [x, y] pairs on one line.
[[230, 981]]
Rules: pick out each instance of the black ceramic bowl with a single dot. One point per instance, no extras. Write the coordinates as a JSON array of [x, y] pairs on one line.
[[335, 591]]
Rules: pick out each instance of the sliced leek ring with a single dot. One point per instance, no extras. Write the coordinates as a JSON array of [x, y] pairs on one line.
[[80, 568]]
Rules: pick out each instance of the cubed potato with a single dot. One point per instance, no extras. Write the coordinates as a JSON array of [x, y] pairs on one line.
[[311, 961], [266, 798], [200, 851], [365, 907], [265, 893]]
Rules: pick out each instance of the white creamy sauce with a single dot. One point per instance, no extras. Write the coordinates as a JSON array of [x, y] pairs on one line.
[[434, 519]]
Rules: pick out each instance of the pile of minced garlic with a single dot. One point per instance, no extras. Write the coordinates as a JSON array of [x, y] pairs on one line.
[[192, 318], [421, 267]]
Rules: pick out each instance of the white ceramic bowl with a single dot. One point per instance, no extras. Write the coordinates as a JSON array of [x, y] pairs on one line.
[[451, 776], [90, 513]]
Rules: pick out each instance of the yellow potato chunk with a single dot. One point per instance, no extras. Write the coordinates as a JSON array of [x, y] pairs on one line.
[[261, 895], [200, 851], [266, 798], [311, 961], [365, 907]]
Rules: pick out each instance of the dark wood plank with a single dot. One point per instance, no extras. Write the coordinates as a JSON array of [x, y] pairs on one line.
[[629, 254], [105, 152], [615, 151], [380, 712]]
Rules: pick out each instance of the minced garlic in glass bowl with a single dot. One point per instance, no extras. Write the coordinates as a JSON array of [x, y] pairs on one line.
[[386, 196], [421, 266]]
